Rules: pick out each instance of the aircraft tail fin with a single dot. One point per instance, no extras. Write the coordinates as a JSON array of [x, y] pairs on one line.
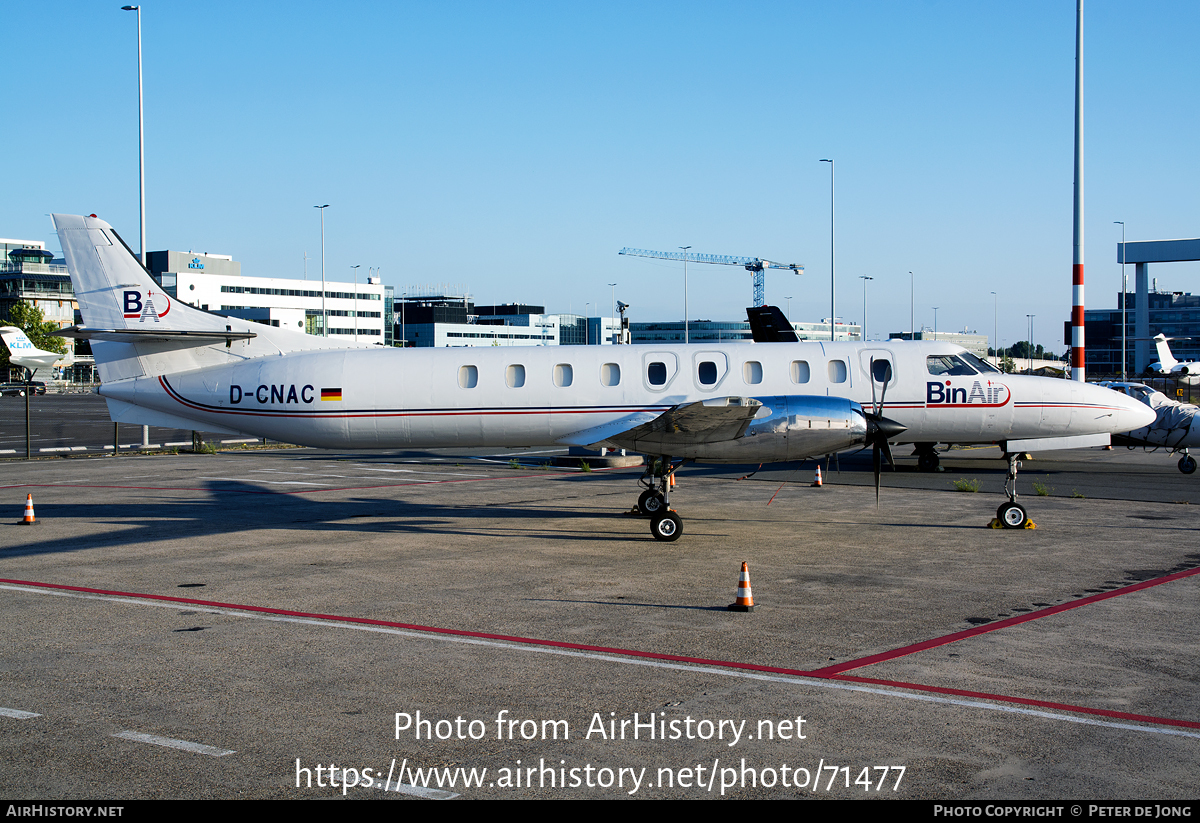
[[136, 327], [768, 325], [19, 344], [1165, 358]]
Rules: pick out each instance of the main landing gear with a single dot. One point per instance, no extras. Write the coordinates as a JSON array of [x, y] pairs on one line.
[[927, 457], [1012, 514], [654, 502]]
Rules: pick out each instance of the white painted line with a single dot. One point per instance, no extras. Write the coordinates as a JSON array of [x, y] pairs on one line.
[[417, 791], [264, 480], [172, 743], [79, 448], [795, 680], [415, 471], [243, 440], [17, 714], [8, 451], [181, 443], [55, 449]]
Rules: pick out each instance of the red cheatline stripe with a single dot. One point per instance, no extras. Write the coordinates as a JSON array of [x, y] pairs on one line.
[[675, 658], [829, 671]]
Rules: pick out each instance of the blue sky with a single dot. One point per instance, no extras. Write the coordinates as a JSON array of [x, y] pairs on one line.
[[515, 147]]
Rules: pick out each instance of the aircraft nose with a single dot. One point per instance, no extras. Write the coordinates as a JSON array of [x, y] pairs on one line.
[[1132, 414]]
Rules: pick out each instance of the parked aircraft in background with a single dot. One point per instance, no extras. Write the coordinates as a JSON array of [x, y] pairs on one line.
[[165, 363], [1186, 372], [1173, 427], [22, 352]]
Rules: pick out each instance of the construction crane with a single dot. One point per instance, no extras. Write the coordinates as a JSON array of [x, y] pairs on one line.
[[755, 265]]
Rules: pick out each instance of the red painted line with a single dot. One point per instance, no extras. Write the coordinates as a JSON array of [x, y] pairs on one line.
[[829, 671], [1023, 701], [675, 658]]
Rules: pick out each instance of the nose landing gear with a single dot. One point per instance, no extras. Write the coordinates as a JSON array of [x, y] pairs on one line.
[[1012, 514]]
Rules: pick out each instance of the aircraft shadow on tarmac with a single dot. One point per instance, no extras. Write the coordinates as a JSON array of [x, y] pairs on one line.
[[153, 521]]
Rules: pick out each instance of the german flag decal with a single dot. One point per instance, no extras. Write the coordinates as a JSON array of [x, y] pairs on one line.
[[331, 394]]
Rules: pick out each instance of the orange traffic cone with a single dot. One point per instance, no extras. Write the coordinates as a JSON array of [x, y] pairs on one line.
[[817, 480], [29, 518], [745, 598], [672, 479]]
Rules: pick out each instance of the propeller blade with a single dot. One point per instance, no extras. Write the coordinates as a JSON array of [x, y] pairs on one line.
[[875, 459]]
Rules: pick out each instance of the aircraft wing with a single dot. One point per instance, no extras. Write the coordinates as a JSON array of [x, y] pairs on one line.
[[716, 420]]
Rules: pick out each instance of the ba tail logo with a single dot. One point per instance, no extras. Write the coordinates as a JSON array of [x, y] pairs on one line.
[[139, 308], [946, 394]]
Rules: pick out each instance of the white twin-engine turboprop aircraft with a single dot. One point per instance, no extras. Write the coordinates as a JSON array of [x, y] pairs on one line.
[[164, 363]]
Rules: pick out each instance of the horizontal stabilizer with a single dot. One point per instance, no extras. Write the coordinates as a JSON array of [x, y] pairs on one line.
[[134, 335]]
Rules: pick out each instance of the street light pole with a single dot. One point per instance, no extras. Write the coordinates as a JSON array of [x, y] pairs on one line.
[[935, 308], [832, 278], [1123, 292], [324, 314], [912, 307], [613, 319], [865, 278], [141, 138], [685, 305], [355, 302], [996, 328], [1031, 316]]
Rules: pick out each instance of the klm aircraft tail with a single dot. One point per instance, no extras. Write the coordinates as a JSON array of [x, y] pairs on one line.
[[1166, 360], [22, 352], [139, 330]]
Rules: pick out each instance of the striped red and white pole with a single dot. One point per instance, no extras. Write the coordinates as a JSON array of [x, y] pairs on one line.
[[745, 598], [1077, 339]]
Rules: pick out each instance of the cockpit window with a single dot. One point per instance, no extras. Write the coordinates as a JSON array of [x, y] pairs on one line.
[[948, 365], [982, 366]]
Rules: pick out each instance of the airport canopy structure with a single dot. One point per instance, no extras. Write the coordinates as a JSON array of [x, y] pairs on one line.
[[1142, 254]]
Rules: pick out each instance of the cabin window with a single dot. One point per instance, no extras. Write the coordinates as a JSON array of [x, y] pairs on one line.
[[656, 373], [800, 371], [610, 374], [707, 373], [468, 377], [752, 372], [514, 376], [837, 371], [563, 374]]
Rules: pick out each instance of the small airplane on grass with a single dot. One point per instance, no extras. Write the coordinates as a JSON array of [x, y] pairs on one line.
[[165, 363]]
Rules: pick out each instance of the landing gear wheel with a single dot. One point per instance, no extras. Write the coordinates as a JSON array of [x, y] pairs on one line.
[[928, 461], [651, 502], [1187, 464], [666, 526], [1012, 515]]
